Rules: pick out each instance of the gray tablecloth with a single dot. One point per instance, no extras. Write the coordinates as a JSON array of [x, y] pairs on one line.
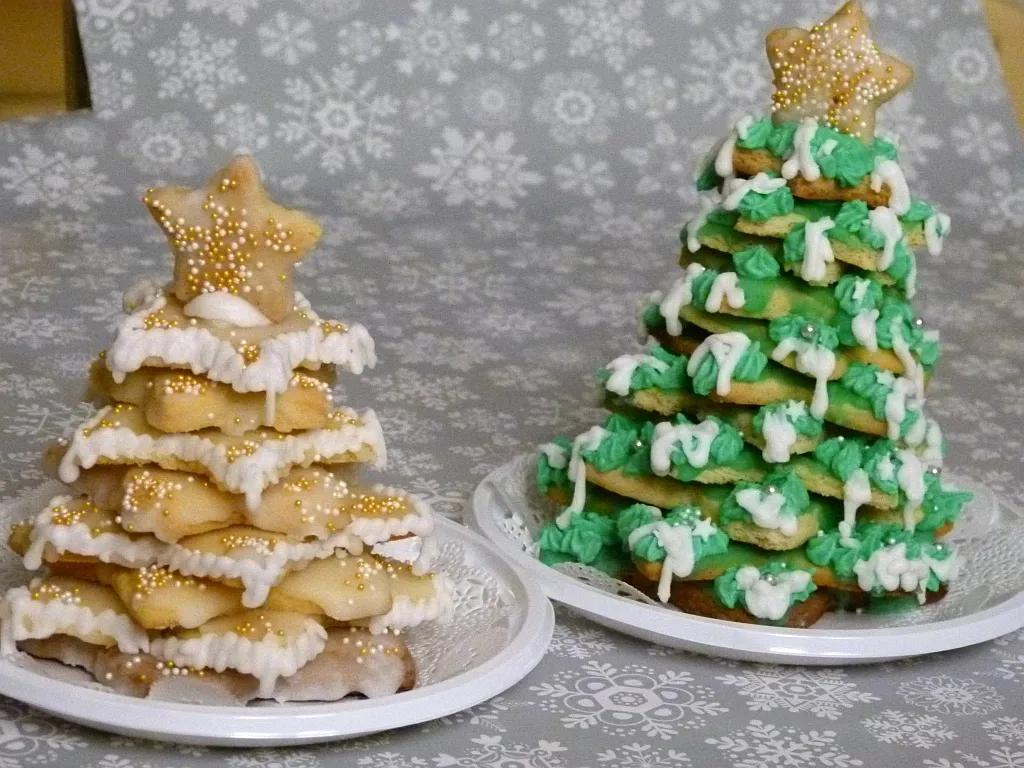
[[498, 183]]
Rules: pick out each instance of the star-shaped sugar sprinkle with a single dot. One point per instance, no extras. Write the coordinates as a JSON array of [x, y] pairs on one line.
[[833, 72], [230, 236]]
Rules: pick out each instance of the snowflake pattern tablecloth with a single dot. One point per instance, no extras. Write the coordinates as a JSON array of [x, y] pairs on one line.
[[499, 183]]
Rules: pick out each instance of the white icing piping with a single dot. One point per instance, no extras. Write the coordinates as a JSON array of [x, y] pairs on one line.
[[725, 286], [726, 349], [224, 307], [813, 360], [588, 441], [248, 474], [865, 329], [205, 354], [856, 493], [266, 659], [679, 295], [766, 510], [936, 227], [557, 456], [737, 189], [889, 173], [770, 599], [694, 225], [890, 569], [779, 431], [817, 250], [622, 369], [694, 440], [677, 541], [801, 160], [884, 222], [406, 612], [22, 618]]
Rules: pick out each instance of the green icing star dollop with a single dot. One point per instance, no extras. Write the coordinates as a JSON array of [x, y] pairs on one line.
[[855, 294], [750, 366], [842, 456], [872, 383], [672, 378], [548, 476], [796, 500], [755, 263], [756, 206], [817, 333]]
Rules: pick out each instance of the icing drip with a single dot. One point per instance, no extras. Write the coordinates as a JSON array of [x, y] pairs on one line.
[[725, 286], [679, 295], [926, 437], [588, 441], [801, 161], [912, 369], [813, 360], [779, 431], [265, 659], [677, 541], [890, 569], [766, 510], [865, 329], [885, 222], [623, 368], [856, 493], [936, 227], [24, 618], [889, 173], [693, 439], [723, 160], [204, 353], [737, 189], [910, 286], [770, 599], [224, 307], [828, 147], [901, 390], [694, 225], [726, 349], [817, 249], [910, 477], [557, 456]]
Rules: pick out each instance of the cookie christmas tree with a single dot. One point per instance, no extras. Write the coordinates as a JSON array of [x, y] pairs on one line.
[[214, 541], [770, 456]]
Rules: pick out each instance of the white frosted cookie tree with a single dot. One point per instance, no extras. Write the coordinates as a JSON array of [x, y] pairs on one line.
[[770, 456], [213, 540]]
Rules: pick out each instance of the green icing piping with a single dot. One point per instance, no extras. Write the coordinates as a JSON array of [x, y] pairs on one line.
[[729, 593], [761, 207], [863, 379], [548, 476], [797, 327], [646, 376], [805, 424], [649, 548], [749, 368], [796, 500], [755, 263]]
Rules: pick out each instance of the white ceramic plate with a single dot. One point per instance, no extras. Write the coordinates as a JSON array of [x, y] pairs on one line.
[[986, 601], [500, 631]]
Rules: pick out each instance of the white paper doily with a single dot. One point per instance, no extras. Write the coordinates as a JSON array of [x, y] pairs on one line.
[[986, 601], [500, 630]]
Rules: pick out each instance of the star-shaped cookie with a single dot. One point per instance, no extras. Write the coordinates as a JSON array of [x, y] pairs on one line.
[[833, 72], [230, 236]]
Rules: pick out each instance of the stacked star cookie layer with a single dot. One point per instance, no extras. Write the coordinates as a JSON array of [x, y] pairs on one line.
[[771, 456], [215, 542]]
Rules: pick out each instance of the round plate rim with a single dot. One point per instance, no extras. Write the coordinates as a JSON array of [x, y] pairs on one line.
[[290, 724], [751, 641]]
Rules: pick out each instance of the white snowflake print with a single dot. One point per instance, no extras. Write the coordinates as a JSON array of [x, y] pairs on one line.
[[112, 89], [53, 180], [427, 107], [165, 144], [196, 65], [373, 195], [987, 141], [330, 9], [236, 11], [720, 80], [575, 107], [31, 737], [627, 700], [580, 174], [515, 41], [821, 692], [643, 756], [890, 726], [340, 118], [478, 170], [996, 203], [761, 744], [650, 92], [951, 695], [965, 67], [579, 642], [241, 129], [359, 41], [279, 758], [391, 760], [433, 41], [1007, 733], [118, 25], [692, 11], [664, 164], [914, 13], [913, 134], [490, 752], [1005, 730], [76, 135], [604, 220], [608, 30], [442, 351], [286, 38], [492, 100]]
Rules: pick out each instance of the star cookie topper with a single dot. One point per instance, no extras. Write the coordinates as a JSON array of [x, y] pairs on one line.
[[230, 236], [833, 72]]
